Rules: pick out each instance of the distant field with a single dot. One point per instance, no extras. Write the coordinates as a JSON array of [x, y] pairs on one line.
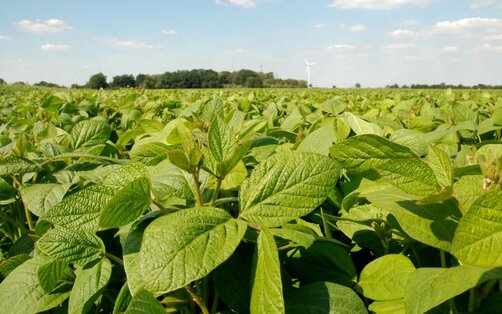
[[250, 200]]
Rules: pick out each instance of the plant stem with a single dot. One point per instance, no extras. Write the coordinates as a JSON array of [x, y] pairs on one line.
[[327, 231], [197, 300], [214, 305], [198, 195], [216, 192], [114, 258], [28, 218], [451, 301], [472, 300]]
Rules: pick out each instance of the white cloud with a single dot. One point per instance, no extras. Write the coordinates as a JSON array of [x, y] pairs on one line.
[[450, 49], [396, 48], [237, 51], [240, 3], [169, 32], [489, 48], [54, 47], [340, 47], [468, 26], [494, 37], [410, 22], [403, 33], [2, 37], [374, 4], [38, 26], [126, 44], [481, 3], [319, 25], [353, 28]]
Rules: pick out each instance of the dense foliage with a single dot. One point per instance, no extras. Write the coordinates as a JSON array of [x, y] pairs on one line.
[[260, 201]]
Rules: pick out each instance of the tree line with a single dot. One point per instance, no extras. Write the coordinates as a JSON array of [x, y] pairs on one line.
[[197, 78]]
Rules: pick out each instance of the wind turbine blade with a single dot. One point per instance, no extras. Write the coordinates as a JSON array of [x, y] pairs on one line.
[[306, 62]]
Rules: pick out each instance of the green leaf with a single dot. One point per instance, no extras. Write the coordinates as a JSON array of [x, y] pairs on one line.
[[235, 177], [360, 126], [8, 265], [16, 165], [395, 163], [51, 274], [81, 210], [144, 303], [79, 247], [195, 239], [123, 299], [149, 153], [221, 140], [131, 198], [90, 281], [266, 295], [297, 236], [432, 224], [319, 141], [478, 239], [39, 198], [170, 184], [21, 292], [179, 158], [89, 133], [7, 191], [467, 189], [441, 164], [388, 307], [429, 287], [324, 297], [385, 278], [286, 186]]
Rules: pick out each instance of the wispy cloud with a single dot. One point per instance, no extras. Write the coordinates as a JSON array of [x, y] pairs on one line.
[[397, 48], [319, 25], [410, 22], [450, 49], [169, 32], [481, 3], [468, 26], [340, 47], [39, 26], [237, 51], [126, 44], [374, 4], [354, 28], [403, 33], [240, 3], [2, 37], [489, 48], [54, 47]]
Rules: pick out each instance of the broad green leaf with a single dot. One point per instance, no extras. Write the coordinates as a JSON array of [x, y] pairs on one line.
[[171, 185], [388, 307], [16, 165], [478, 239], [385, 278], [195, 239], [235, 177], [221, 140], [286, 186], [72, 246], [413, 139], [324, 297], [432, 224], [319, 141], [51, 274], [149, 153], [266, 294], [131, 196], [80, 210], [21, 292], [9, 264], [89, 133], [123, 299], [39, 198], [467, 189], [395, 163], [144, 303], [90, 280], [429, 287], [360, 126], [302, 238], [7, 191], [442, 166]]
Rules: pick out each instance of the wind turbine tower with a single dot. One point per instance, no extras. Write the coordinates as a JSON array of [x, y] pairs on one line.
[[307, 71]]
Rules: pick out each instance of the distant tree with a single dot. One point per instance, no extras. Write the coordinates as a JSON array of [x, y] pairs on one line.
[[123, 81], [97, 81], [2, 82], [76, 86], [46, 84], [254, 82], [358, 85]]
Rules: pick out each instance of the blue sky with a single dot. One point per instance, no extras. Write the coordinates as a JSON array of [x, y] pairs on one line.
[[373, 42]]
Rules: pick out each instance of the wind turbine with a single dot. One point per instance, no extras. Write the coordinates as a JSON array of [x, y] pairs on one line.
[[307, 71]]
